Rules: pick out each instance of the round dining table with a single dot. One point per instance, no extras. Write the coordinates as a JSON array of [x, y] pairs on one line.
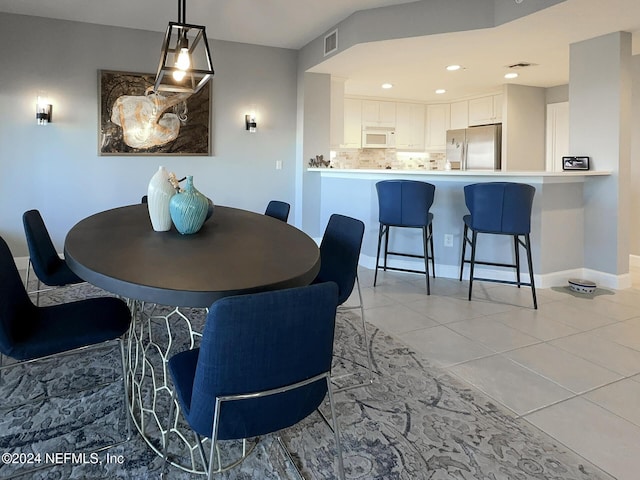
[[235, 252], [166, 277]]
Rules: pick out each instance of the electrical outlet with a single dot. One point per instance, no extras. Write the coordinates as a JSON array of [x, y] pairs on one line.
[[278, 164], [448, 240]]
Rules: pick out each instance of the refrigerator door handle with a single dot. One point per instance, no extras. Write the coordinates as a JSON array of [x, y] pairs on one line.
[[463, 162]]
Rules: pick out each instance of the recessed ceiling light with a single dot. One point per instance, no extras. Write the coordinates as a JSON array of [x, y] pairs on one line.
[[511, 75], [387, 85], [440, 91], [453, 68]]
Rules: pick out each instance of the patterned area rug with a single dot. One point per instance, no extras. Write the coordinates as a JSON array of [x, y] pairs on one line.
[[414, 422]]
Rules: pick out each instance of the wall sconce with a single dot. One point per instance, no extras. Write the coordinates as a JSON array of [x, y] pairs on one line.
[[250, 122], [43, 110]]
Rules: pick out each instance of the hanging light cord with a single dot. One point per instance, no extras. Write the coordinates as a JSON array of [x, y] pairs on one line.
[[182, 11]]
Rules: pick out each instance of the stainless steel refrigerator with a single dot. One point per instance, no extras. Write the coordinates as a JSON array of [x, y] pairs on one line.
[[475, 148]]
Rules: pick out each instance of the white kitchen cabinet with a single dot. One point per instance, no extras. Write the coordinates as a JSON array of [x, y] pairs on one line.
[[438, 122], [352, 123], [459, 115], [557, 135], [410, 121], [485, 110], [377, 113]]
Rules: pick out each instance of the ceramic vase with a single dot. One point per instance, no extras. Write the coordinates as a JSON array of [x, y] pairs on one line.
[[159, 195], [188, 209]]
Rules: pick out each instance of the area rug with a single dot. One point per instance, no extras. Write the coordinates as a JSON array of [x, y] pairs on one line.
[[413, 422]]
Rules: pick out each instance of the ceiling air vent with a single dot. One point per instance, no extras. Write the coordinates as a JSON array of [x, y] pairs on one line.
[[331, 42]]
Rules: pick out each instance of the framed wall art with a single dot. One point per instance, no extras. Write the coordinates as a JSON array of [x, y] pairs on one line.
[[135, 120]]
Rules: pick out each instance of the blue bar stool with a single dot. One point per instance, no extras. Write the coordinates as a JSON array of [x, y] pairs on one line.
[[499, 208], [406, 204]]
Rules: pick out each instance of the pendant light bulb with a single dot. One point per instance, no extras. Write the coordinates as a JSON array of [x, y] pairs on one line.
[[183, 59]]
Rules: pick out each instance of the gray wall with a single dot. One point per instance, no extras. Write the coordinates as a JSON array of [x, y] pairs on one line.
[[600, 127], [634, 222], [56, 168]]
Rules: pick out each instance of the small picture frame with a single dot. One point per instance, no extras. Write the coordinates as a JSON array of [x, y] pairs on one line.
[[575, 163]]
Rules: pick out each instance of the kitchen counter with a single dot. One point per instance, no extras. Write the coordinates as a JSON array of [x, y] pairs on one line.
[[464, 175], [557, 220]]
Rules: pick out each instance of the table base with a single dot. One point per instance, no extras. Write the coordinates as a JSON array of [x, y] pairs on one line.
[[157, 333]]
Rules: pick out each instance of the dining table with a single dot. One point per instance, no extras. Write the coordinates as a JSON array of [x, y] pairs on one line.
[[169, 281]]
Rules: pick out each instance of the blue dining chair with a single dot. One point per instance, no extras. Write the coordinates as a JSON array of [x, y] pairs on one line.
[[30, 333], [406, 204], [49, 268], [278, 209], [499, 208], [263, 364], [339, 256]]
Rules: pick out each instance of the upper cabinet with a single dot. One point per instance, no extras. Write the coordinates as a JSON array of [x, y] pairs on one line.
[[438, 122], [485, 110], [410, 123], [380, 114], [459, 115], [352, 123]]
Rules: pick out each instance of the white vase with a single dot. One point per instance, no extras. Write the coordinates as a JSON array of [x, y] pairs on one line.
[[159, 195]]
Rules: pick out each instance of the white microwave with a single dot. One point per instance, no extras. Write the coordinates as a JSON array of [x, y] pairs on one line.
[[378, 137]]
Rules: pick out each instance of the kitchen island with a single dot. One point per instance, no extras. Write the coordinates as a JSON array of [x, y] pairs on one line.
[[557, 223]]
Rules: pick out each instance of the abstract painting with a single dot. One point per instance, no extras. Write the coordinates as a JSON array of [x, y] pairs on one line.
[[136, 120]]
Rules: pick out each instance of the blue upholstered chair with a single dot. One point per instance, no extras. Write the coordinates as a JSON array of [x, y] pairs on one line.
[[278, 209], [499, 208], [339, 256], [263, 365], [406, 204], [49, 268], [29, 333]]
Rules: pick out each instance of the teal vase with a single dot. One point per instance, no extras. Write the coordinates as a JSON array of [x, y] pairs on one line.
[[188, 209]]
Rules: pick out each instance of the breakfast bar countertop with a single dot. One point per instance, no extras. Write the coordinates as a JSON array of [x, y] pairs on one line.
[[465, 175]]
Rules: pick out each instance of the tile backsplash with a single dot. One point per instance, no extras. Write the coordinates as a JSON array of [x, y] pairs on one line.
[[373, 158]]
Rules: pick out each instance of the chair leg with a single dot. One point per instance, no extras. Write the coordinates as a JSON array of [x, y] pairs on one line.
[[126, 391], [433, 257], [165, 436], [425, 246], [386, 244], [203, 457], [375, 275], [336, 431], [464, 248], [516, 244], [530, 262], [474, 237], [364, 333], [365, 339]]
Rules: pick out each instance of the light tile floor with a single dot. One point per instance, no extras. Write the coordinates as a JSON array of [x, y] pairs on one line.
[[571, 368]]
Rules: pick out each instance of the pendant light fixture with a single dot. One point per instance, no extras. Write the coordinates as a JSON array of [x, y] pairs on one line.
[[185, 61]]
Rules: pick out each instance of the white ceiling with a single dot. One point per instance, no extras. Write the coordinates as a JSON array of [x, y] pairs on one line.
[[275, 23], [415, 65]]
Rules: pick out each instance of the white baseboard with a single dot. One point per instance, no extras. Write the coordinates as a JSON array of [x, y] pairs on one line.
[[554, 279], [634, 260], [21, 262]]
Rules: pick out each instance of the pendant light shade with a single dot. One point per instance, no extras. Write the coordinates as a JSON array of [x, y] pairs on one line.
[[185, 60]]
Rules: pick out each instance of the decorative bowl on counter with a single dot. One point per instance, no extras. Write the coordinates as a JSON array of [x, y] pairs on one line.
[[582, 286]]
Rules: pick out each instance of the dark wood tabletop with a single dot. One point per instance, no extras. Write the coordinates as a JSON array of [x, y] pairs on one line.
[[235, 252]]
